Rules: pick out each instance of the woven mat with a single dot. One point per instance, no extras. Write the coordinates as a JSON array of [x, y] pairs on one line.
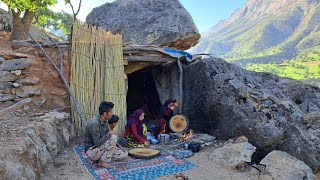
[[161, 166]]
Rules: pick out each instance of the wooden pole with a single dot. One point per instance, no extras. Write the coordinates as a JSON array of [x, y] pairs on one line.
[[60, 53], [149, 59], [180, 85]]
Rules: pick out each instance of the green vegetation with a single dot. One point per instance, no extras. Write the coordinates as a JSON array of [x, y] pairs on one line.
[[47, 19], [305, 67], [22, 25], [37, 12]]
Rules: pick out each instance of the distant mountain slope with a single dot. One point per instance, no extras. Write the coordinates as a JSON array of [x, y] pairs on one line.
[[264, 31]]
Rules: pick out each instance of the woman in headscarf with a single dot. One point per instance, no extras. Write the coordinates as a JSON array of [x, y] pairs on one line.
[[164, 116], [135, 130]]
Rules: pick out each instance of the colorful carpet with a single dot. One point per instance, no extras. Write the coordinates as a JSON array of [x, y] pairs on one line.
[[136, 169]]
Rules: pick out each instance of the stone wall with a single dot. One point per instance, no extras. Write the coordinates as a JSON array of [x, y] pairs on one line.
[[25, 72]]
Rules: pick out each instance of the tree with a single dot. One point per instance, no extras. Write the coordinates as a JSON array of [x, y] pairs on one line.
[[22, 25], [46, 18], [74, 13], [65, 22]]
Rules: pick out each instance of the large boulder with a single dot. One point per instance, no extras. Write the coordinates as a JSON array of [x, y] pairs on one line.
[[148, 22], [282, 166], [233, 154], [225, 100]]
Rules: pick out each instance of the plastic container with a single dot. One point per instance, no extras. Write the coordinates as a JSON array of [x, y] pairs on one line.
[[149, 136], [186, 146], [154, 141], [164, 138]]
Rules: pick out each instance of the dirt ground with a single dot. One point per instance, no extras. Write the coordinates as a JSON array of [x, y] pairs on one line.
[[10, 125], [67, 166]]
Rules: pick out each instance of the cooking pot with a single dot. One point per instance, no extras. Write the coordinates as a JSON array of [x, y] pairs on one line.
[[194, 147], [164, 138]]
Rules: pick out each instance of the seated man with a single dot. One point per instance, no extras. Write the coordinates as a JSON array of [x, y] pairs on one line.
[[100, 140]]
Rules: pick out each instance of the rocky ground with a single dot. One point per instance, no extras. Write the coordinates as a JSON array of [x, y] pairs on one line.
[[67, 165], [224, 162], [29, 144]]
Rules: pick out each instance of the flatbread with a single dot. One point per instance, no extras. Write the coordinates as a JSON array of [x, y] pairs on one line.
[[143, 153], [178, 123]]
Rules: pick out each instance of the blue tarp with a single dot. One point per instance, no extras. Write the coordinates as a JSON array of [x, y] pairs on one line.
[[178, 53]]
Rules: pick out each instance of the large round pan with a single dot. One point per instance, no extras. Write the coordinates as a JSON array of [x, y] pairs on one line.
[[178, 123], [143, 153]]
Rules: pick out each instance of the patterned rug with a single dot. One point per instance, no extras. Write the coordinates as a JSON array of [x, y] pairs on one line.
[[136, 169]]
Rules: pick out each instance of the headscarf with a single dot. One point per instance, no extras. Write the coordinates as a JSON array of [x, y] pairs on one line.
[[164, 108], [134, 119]]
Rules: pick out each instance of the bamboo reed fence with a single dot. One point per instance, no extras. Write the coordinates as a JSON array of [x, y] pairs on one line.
[[97, 73]]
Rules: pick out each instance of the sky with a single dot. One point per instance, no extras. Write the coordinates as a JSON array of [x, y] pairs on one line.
[[205, 13]]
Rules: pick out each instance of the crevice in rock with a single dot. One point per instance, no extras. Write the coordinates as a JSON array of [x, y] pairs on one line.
[[260, 153]]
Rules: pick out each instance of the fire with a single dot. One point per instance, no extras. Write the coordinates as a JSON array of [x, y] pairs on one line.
[[187, 136]]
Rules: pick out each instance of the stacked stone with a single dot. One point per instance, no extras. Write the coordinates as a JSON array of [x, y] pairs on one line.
[[15, 84]]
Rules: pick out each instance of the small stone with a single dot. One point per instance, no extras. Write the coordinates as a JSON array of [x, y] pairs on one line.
[[6, 91], [27, 91], [26, 107], [1, 60], [39, 101], [209, 144], [18, 150], [13, 90], [58, 92], [6, 76], [15, 64], [16, 85], [216, 145], [9, 103], [29, 81], [11, 55], [5, 85], [16, 72], [59, 164], [7, 97], [241, 139]]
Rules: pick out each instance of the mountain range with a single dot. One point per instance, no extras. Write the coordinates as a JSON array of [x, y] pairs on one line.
[[279, 36]]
